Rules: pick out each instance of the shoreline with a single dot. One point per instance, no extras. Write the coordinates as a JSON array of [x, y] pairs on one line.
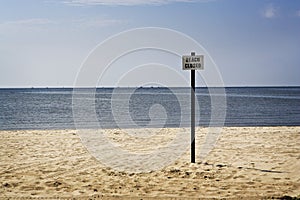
[[140, 128], [247, 162]]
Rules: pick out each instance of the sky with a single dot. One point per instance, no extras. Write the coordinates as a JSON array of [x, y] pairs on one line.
[[43, 43]]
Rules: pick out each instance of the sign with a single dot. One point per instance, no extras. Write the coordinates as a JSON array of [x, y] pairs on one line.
[[195, 62]]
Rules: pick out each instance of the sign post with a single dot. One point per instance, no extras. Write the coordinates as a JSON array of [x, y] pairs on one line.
[[193, 63]]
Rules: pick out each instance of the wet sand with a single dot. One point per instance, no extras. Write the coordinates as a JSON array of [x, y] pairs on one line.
[[247, 162]]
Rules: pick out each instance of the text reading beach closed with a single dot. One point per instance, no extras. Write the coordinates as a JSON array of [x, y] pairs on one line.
[[193, 62]]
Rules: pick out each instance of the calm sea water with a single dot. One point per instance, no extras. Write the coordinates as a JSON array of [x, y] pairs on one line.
[[52, 108]]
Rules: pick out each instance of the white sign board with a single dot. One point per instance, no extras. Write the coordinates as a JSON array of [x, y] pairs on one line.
[[193, 62]]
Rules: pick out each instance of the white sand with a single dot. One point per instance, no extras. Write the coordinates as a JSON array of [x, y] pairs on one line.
[[247, 162]]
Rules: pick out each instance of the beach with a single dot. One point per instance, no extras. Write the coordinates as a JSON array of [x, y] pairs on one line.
[[245, 163]]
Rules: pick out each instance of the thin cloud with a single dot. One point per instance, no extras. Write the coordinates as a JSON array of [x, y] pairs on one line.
[[128, 2], [40, 23], [26, 25], [270, 12], [28, 22], [298, 13]]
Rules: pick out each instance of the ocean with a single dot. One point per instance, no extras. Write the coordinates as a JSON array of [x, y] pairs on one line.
[[53, 108]]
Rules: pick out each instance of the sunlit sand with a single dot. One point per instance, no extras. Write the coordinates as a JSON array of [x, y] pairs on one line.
[[249, 162]]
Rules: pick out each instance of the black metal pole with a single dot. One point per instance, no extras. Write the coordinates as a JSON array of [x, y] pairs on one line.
[[193, 114]]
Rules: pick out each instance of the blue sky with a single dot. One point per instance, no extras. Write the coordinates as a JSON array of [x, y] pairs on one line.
[[254, 42]]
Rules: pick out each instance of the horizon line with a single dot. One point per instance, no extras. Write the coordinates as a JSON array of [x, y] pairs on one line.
[[111, 87]]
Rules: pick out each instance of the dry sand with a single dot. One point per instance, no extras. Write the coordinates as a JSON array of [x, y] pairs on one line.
[[247, 162]]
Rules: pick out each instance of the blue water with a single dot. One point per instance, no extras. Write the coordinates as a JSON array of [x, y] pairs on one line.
[[51, 108]]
